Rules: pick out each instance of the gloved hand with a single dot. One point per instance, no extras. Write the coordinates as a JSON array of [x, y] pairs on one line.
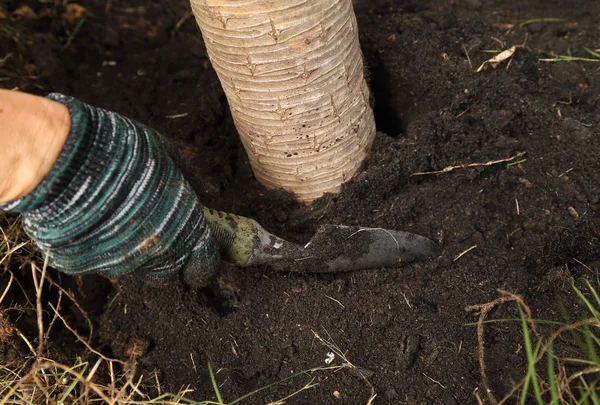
[[114, 202]]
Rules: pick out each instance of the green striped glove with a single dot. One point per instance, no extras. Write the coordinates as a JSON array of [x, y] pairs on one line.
[[114, 203]]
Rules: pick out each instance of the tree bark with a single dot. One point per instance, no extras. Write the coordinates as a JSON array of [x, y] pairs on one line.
[[293, 74]]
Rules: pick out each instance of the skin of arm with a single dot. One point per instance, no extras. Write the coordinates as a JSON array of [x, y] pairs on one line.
[[33, 131]]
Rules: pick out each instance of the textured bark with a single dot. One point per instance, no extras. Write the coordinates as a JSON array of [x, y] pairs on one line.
[[293, 74]]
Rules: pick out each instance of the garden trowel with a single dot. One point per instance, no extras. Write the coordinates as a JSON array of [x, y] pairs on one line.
[[333, 248]]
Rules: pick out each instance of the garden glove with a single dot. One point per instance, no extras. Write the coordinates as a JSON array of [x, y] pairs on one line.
[[114, 203]]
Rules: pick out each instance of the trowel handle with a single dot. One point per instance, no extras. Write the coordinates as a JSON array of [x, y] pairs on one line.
[[235, 235], [244, 242]]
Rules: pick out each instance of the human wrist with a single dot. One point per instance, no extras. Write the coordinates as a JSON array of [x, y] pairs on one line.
[[33, 131]]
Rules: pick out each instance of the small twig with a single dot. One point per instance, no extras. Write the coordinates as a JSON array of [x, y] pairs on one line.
[[93, 370], [502, 44], [80, 378], [11, 251], [284, 400], [27, 342], [335, 349], [175, 116], [463, 112], [74, 301], [406, 299], [5, 58], [464, 253], [38, 301], [435, 381], [468, 57], [568, 171], [484, 310], [479, 401], [82, 340], [180, 23], [49, 328], [578, 261], [193, 363], [451, 168], [12, 276], [336, 301], [157, 381], [588, 370]]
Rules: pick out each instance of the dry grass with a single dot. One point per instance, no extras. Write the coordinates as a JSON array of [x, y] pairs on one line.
[[32, 373]]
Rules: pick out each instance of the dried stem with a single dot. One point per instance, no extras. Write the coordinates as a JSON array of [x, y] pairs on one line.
[[466, 165], [484, 310]]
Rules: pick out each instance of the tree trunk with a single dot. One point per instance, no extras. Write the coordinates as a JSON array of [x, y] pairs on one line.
[[293, 74]]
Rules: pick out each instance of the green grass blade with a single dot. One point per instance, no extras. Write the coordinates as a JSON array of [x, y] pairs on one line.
[[518, 162], [213, 380], [74, 384], [594, 54], [592, 342], [595, 398], [531, 362], [590, 287], [554, 398], [568, 58], [587, 303], [583, 396], [68, 392], [541, 20], [590, 339], [586, 391], [16, 394], [525, 388], [75, 32]]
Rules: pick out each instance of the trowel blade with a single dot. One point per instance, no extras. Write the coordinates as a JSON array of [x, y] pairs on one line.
[[336, 248]]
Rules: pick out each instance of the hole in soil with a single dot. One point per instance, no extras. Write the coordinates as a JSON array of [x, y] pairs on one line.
[[211, 297], [387, 119], [581, 242]]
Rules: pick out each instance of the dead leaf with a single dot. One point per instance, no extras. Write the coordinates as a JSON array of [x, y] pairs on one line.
[[3, 15], [496, 60], [24, 12], [73, 12]]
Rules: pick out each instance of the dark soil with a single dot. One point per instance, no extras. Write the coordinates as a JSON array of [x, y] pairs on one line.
[[532, 220]]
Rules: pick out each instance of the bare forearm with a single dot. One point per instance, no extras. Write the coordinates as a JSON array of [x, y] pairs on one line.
[[33, 131]]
